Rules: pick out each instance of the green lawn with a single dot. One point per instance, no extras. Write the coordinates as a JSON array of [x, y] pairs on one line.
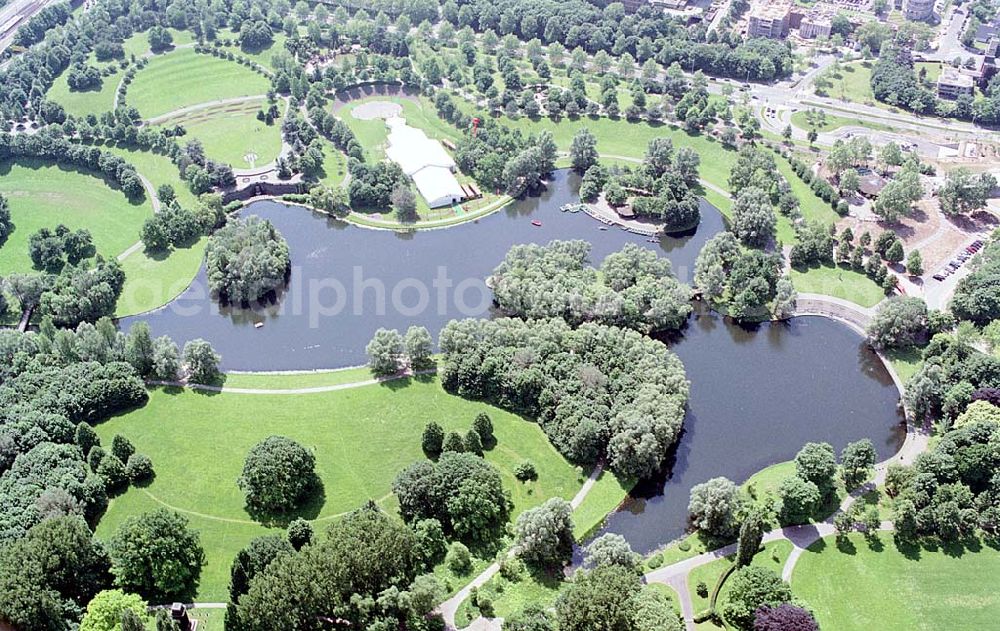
[[861, 587], [81, 103], [262, 56], [158, 169], [852, 84], [838, 282], [334, 166], [832, 121], [183, 78], [151, 281], [906, 361], [622, 138], [102, 99], [772, 556], [138, 44], [233, 135], [604, 497], [361, 438], [42, 195]]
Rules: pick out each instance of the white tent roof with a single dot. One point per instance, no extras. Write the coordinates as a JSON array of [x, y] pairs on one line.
[[425, 161], [413, 150], [438, 186]]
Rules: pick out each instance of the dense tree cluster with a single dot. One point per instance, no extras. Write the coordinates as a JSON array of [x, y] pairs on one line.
[[953, 373], [609, 596], [963, 193], [363, 573], [51, 574], [977, 295], [157, 556], [51, 249], [634, 288], [463, 492], [900, 322], [246, 259], [389, 351], [497, 157], [895, 82], [371, 185], [82, 294], [49, 147], [596, 390], [748, 282], [278, 474], [953, 489]]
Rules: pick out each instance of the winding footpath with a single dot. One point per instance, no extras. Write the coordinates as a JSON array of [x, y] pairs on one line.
[[801, 537]]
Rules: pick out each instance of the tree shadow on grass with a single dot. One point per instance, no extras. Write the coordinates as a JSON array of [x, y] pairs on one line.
[[308, 509]]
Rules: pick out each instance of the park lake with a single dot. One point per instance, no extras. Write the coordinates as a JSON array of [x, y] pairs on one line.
[[758, 393]]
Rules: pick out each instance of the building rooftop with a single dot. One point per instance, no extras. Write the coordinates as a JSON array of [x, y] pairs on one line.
[[770, 10], [952, 77]]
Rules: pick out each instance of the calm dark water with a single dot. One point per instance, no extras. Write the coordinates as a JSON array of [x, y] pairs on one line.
[[757, 394], [347, 282]]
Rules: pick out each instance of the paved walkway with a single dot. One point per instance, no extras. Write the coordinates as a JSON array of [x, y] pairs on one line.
[[801, 537], [850, 313], [151, 193], [311, 390], [449, 608]]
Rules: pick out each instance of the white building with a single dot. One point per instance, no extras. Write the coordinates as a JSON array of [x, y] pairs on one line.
[[425, 161]]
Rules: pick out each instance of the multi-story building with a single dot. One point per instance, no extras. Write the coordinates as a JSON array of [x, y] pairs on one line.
[[918, 9], [769, 19], [813, 26], [953, 84]]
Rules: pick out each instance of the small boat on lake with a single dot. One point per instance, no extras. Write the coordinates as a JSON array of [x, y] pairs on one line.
[[536, 223]]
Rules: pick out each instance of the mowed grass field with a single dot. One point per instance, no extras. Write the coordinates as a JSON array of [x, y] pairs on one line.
[[860, 587], [151, 281], [231, 133], [854, 83], [43, 195], [619, 137], [839, 282], [81, 103], [183, 78], [361, 438]]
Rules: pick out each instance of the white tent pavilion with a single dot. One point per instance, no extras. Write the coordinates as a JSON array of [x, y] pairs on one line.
[[425, 161]]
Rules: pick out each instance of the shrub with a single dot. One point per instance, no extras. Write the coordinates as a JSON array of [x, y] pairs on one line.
[[525, 471], [299, 533], [139, 468], [459, 559]]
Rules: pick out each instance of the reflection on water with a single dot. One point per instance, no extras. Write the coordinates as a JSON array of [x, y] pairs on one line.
[[347, 282], [758, 393]]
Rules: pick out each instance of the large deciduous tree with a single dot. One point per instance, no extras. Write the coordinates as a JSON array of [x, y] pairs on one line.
[[713, 506], [278, 475], [157, 556], [544, 534]]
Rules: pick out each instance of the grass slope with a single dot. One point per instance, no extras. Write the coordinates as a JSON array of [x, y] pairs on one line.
[[838, 282], [231, 133], [42, 195], [858, 586], [361, 437], [183, 78], [622, 138]]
